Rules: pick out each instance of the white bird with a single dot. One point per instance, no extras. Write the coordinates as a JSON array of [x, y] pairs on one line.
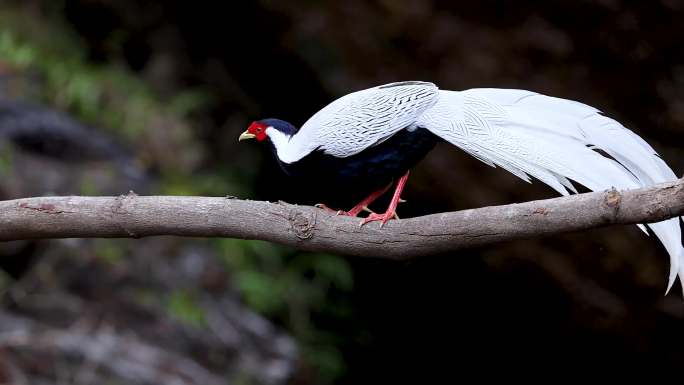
[[371, 137]]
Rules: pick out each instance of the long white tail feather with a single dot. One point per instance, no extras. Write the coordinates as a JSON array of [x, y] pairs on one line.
[[554, 140]]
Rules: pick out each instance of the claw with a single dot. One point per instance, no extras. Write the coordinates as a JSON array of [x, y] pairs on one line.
[[352, 213], [391, 212], [326, 208], [383, 218]]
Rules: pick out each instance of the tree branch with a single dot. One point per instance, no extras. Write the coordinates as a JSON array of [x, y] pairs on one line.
[[309, 228]]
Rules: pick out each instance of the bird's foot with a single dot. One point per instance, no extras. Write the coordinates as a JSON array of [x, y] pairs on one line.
[[383, 218], [351, 213]]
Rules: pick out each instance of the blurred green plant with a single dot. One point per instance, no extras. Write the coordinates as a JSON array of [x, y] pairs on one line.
[[216, 182], [107, 95], [182, 304], [294, 288], [6, 159], [111, 251]]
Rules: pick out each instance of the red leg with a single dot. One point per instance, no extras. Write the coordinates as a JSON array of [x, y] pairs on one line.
[[363, 205], [391, 210]]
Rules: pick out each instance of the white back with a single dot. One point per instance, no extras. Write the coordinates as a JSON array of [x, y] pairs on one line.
[[361, 119]]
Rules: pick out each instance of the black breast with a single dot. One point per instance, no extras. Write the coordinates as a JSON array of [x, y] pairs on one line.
[[358, 175]]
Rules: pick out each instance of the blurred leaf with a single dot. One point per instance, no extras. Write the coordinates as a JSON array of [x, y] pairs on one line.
[[260, 292], [335, 270], [326, 359], [6, 159], [88, 186], [208, 184], [147, 297], [15, 53], [183, 306], [188, 101], [110, 250]]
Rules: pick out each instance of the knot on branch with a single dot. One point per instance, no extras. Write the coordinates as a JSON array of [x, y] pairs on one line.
[[613, 200], [118, 208], [301, 224], [541, 211]]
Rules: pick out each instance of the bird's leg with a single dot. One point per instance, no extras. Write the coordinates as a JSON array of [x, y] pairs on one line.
[[362, 206], [391, 210]]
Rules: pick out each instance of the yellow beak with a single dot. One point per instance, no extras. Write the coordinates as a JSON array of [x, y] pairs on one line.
[[246, 135]]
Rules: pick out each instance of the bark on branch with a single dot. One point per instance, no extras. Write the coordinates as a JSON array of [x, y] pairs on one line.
[[309, 228]]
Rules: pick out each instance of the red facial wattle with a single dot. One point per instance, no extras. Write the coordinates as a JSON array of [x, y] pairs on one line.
[[258, 130]]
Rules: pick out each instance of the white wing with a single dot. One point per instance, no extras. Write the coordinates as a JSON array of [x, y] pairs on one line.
[[362, 119], [554, 140]]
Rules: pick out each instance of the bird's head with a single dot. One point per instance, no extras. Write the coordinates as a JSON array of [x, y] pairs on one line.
[[265, 128]]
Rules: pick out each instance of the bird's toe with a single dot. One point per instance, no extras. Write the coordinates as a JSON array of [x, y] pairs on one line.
[[326, 208], [383, 218]]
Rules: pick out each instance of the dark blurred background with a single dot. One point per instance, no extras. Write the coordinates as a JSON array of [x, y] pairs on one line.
[[107, 96]]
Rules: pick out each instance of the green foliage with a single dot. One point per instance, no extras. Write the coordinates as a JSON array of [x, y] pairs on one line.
[[110, 96], [6, 159], [18, 54], [293, 287], [328, 360], [215, 183], [182, 305], [146, 297], [106, 95], [87, 186], [111, 251], [259, 290]]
